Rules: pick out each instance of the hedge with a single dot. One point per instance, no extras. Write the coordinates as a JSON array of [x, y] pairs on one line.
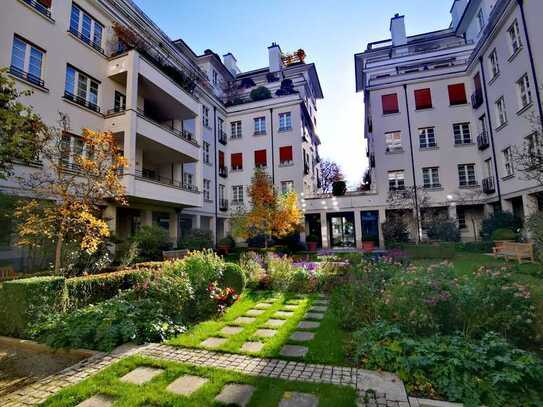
[[441, 250], [24, 301]]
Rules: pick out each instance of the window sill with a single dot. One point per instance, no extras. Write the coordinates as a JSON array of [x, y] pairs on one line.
[[29, 83], [429, 148], [83, 107], [286, 130], [103, 55], [395, 151], [261, 167], [458, 105], [208, 200], [49, 19], [508, 177], [474, 186], [235, 138], [286, 164], [525, 108], [464, 145], [235, 170], [237, 203], [391, 114], [259, 134], [494, 79], [501, 126], [423, 109], [518, 51], [433, 189]]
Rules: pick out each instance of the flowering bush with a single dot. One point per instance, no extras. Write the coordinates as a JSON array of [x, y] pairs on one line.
[[223, 297]]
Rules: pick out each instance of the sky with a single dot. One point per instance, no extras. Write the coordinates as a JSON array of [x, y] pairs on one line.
[[330, 32]]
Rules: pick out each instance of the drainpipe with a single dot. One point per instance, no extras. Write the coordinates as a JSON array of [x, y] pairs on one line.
[[272, 148], [417, 215], [215, 175], [491, 132]]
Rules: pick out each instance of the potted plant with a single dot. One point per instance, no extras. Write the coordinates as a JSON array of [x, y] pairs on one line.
[[226, 244], [339, 188], [368, 245], [312, 242]]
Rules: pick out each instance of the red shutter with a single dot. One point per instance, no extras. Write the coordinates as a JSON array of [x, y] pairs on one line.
[[237, 161], [390, 103], [477, 82], [457, 94], [46, 3], [285, 154], [221, 159], [423, 99], [260, 158]]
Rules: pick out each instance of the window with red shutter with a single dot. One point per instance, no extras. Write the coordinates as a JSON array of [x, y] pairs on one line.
[[423, 99], [237, 161], [46, 3], [390, 103], [457, 94], [285, 155], [260, 158], [221, 159]]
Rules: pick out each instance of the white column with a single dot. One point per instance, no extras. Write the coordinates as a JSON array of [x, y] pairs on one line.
[[507, 205], [129, 144], [197, 222], [213, 227], [147, 217], [324, 231], [110, 216], [173, 228], [452, 211], [487, 210], [358, 228], [530, 206], [382, 219]]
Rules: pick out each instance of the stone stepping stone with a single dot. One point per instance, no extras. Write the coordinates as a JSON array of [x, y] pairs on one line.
[[186, 385], [231, 330], [99, 400], [302, 336], [293, 351], [275, 323], [321, 302], [314, 315], [295, 399], [283, 314], [254, 312], [252, 347], [236, 394], [141, 375], [213, 342], [243, 320], [319, 308], [265, 333], [290, 307], [308, 325], [270, 300], [321, 296], [263, 305]]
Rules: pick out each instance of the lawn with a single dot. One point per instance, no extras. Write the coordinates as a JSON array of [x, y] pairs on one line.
[[268, 391]]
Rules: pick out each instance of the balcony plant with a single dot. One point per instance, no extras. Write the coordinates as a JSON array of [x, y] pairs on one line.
[[339, 188], [287, 88], [247, 83], [260, 93]]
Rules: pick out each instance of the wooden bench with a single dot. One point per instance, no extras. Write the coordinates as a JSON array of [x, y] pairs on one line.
[[7, 273], [514, 250], [175, 254]]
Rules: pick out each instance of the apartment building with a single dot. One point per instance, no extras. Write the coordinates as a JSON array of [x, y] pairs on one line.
[[187, 124], [443, 112]]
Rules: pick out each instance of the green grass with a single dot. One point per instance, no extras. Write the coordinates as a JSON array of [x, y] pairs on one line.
[[268, 391]]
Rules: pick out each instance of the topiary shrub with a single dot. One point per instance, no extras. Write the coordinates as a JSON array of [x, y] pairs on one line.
[[197, 239], [499, 220], [152, 241], [260, 93], [444, 231], [233, 277], [504, 234]]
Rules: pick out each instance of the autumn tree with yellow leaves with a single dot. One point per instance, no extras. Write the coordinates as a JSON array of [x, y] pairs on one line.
[[271, 214]]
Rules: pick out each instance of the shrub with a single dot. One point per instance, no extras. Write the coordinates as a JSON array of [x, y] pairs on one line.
[[233, 277], [197, 239], [252, 265], [126, 253], [291, 244], [440, 251], [152, 241], [443, 230], [287, 88], [259, 241], [305, 280], [395, 230], [504, 234], [499, 220], [260, 93], [339, 188], [475, 247], [77, 262], [535, 226], [228, 241], [281, 271]]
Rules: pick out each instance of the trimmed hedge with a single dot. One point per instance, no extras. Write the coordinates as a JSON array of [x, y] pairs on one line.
[[25, 301], [443, 251], [233, 277]]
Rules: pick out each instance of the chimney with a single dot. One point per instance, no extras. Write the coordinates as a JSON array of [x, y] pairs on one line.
[[274, 54], [231, 63], [397, 31], [457, 11]]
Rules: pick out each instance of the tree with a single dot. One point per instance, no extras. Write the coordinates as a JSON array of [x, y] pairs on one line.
[[271, 215], [72, 187], [413, 198], [365, 184], [21, 130], [528, 157], [330, 173]]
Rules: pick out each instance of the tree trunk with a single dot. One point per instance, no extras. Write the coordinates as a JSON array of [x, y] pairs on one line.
[[58, 253]]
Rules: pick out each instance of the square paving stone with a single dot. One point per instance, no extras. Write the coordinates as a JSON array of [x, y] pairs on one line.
[[213, 342], [294, 399], [293, 351], [308, 325], [314, 315], [302, 336], [186, 385], [319, 308], [265, 333], [252, 347], [321, 302], [99, 400], [231, 330], [275, 323], [283, 314], [263, 305], [289, 307], [254, 312], [141, 375], [244, 320], [238, 394], [270, 300]]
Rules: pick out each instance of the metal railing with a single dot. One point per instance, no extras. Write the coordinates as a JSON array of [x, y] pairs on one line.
[[223, 138], [87, 40], [488, 185], [483, 142], [81, 101], [150, 175], [26, 76], [223, 171], [183, 134], [223, 205], [477, 99], [40, 8]]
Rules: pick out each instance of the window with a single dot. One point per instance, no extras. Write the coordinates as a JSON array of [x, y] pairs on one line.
[[119, 102], [207, 190], [215, 76], [488, 168], [514, 37], [508, 162], [285, 155], [72, 150], [260, 126], [423, 99], [390, 103], [462, 133], [481, 19], [287, 186], [524, 91], [427, 137], [236, 160], [457, 94], [501, 113], [235, 128], [461, 217], [86, 28], [187, 179], [430, 177], [221, 160], [466, 175], [206, 153], [221, 192], [396, 180], [205, 116], [285, 121], [534, 147], [27, 61], [393, 141], [482, 125], [260, 159], [81, 88], [494, 63], [237, 194]]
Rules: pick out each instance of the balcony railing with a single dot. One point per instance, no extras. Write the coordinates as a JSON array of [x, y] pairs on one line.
[[26, 76], [483, 141], [153, 176], [81, 101], [183, 134], [223, 205], [372, 161], [223, 171], [477, 99], [488, 185], [87, 40], [40, 8], [223, 137]]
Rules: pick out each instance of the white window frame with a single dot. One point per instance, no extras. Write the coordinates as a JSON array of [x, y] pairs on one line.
[[426, 135], [207, 190], [285, 121], [481, 19], [76, 147], [187, 179], [501, 111], [88, 81], [524, 91], [393, 141], [30, 52], [467, 177], [119, 101], [287, 186], [534, 144], [260, 125], [430, 177], [462, 134], [515, 41], [237, 194], [508, 164], [235, 129], [95, 37], [494, 63], [205, 116], [398, 179], [206, 147]]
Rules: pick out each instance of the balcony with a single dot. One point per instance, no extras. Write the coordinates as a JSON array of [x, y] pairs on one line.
[[26, 76], [81, 101], [223, 137], [477, 99], [87, 40], [153, 176], [488, 185], [148, 185], [40, 8], [483, 142], [223, 205], [223, 171]]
